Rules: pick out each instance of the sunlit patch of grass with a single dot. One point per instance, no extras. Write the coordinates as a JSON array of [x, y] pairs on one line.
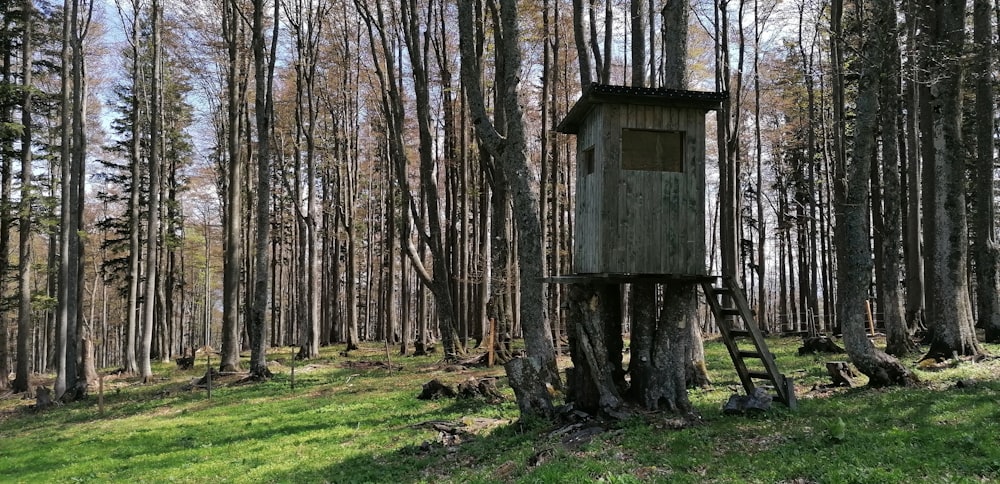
[[343, 424]]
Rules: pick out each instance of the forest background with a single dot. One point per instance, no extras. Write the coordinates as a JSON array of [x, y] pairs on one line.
[[232, 175]]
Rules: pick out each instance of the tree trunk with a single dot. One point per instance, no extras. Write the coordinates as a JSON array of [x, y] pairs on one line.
[[988, 251], [639, 16], [952, 327], [22, 377], [263, 62], [233, 245], [854, 254], [153, 206], [596, 382], [659, 354], [511, 150], [898, 342], [913, 246]]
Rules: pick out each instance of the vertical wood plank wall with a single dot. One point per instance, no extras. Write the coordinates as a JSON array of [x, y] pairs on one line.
[[640, 222]]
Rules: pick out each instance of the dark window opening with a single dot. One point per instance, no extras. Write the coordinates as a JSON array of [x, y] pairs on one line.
[[652, 150], [588, 161]]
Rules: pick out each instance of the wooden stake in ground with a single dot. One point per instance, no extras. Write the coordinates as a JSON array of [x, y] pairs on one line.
[[388, 360], [871, 321], [100, 393], [492, 341], [208, 370]]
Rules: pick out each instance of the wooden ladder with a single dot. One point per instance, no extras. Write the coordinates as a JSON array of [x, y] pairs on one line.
[[730, 293]]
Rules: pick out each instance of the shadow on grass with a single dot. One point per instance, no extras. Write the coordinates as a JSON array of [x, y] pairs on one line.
[[424, 458]]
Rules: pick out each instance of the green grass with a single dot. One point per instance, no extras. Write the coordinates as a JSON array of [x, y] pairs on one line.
[[343, 424]]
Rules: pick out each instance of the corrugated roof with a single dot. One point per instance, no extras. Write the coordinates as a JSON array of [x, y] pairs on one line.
[[607, 93]]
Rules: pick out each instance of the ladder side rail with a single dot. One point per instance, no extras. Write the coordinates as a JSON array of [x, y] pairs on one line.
[[725, 326]]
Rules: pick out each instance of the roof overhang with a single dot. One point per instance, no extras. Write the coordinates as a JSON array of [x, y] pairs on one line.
[[609, 94]]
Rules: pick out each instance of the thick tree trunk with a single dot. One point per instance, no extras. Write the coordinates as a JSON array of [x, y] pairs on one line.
[[854, 254], [511, 151], [580, 39], [658, 365], [596, 382], [988, 251], [528, 377], [898, 341], [952, 327]]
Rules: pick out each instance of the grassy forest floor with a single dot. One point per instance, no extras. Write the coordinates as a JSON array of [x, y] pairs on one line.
[[349, 419]]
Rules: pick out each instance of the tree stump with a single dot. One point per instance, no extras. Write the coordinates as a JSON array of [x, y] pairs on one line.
[[423, 349], [185, 362], [758, 401], [597, 379], [43, 398], [841, 373], [819, 344], [528, 377], [434, 389], [480, 387]]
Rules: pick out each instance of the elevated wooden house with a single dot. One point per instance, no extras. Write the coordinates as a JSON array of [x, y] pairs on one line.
[[640, 185]]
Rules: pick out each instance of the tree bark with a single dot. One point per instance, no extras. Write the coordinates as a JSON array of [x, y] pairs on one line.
[[953, 331], [659, 354], [233, 245], [988, 251], [511, 150], [580, 39], [854, 254], [263, 62], [153, 205], [639, 17], [596, 382], [22, 377], [898, 341]]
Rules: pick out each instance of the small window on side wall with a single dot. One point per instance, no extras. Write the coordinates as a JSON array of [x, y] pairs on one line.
[[587, 159], [652, 150]]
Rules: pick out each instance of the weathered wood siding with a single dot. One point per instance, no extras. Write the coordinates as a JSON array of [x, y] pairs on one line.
[[589, 199], [640, 222]]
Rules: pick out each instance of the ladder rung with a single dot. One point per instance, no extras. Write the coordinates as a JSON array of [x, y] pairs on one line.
[[760, 375], [730, 311], [721, 290], [750, 354], [739, 333]]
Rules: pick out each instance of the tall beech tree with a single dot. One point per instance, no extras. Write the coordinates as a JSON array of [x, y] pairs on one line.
[[24, 318], [987, 251], [264, 58], [854, 255], [424, 218], [951, 323], [508, 145], [233, 168], [153, 210]]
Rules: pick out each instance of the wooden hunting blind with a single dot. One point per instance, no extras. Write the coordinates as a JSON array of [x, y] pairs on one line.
[[640, 183]]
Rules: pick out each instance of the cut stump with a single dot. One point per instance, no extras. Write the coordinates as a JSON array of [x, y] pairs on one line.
[[434, 389], [841, 373], [819, 344]]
